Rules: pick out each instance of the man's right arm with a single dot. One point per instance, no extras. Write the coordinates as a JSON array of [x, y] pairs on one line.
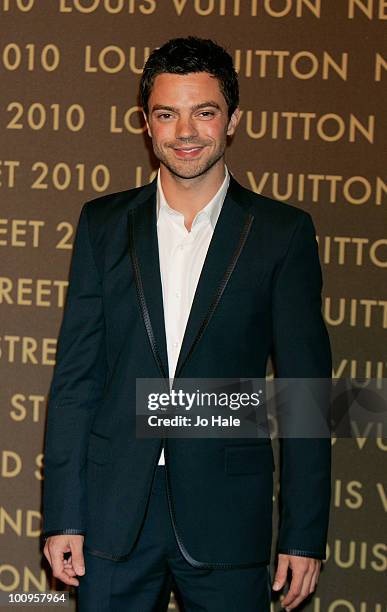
[[75, 392]]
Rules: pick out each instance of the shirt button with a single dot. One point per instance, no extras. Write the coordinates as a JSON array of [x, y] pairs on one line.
[[177, 294], [175, 344]]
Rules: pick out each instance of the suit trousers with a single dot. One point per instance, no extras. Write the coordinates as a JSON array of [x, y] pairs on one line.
[[143, 582]]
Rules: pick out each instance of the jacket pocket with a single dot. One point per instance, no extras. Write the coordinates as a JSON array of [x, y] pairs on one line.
[[248, 459], [99, 449]]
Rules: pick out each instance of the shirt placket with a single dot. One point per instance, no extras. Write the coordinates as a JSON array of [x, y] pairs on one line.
[[177, 292]]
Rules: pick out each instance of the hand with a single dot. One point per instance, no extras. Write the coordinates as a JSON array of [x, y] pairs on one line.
[[305, 573], [65, 569]]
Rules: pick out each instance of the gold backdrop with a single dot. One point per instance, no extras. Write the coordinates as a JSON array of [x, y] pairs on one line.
[[312, 79]]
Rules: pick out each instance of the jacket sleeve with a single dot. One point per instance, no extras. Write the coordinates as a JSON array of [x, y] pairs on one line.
[[302, 350], [76, 388], [47, 534]]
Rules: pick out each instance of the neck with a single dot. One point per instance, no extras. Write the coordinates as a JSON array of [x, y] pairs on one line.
[[189, 196]]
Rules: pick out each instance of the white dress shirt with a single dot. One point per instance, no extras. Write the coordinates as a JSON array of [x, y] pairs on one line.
[[182, 254]]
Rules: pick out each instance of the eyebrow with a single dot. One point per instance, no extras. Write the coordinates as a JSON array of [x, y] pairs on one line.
[[194, 108]]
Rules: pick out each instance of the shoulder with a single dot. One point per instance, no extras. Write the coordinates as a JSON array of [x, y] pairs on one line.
[[113, 204], [280, 219], [272, 210], [109, 212]]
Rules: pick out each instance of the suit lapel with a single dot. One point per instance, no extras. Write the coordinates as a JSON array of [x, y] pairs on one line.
[[144, 252], [226, 244]]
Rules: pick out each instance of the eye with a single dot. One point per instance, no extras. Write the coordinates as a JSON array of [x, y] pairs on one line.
[[164, 116], [206, 114]]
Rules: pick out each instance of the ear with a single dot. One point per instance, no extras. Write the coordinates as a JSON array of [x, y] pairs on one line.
[[147, 124], [233, 123]]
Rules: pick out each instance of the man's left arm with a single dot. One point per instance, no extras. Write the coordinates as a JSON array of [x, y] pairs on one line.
[[301, 350]]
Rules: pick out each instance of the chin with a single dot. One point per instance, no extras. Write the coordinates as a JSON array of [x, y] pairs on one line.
[[189, 170]]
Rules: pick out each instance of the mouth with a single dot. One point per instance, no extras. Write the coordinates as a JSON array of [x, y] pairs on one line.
[[187, 152]]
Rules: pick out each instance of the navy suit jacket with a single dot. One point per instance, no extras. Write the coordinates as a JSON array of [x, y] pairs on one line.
[[259, 295]]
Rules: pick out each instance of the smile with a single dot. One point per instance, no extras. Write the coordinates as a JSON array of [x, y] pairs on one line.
[[191, 152]]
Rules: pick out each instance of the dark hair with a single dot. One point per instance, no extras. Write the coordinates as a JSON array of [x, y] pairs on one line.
[[191, 54]]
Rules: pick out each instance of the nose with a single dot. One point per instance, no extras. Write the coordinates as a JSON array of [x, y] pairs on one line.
[[186, 128]]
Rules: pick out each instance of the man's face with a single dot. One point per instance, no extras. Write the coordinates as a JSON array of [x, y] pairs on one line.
[[188, 123]]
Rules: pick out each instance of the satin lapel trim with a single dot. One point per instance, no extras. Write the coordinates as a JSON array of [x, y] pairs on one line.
[[144, 253], [227, 242]]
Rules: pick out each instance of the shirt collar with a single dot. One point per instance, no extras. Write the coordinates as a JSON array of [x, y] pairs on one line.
[[212, 209]]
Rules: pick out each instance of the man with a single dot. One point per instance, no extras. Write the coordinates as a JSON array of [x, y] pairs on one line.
[[191, 276]]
